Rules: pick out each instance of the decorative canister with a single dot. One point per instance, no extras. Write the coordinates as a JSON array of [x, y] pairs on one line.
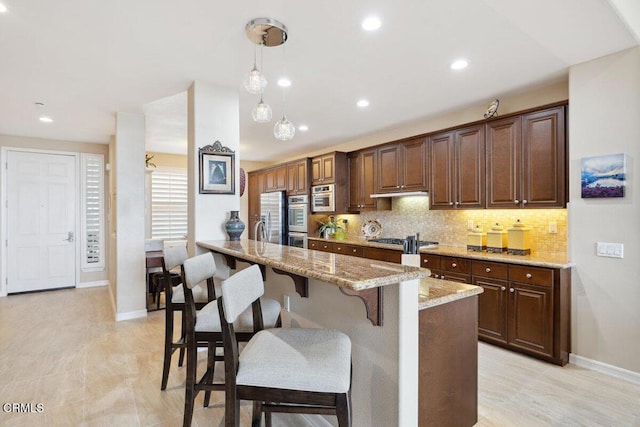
[[234, 226], [496, 239], [519, 239], [477, 240]]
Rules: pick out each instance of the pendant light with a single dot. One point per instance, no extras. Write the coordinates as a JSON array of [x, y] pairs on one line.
[[261, 113], [284, 130], [255, 82], [266, 32]]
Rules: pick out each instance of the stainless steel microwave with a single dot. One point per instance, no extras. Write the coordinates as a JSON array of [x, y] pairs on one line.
[[323, 198]]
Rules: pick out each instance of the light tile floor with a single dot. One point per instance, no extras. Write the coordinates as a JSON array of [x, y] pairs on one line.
[[64, 350]]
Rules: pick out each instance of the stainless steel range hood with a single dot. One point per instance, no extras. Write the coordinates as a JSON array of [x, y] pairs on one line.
[[406, 194]]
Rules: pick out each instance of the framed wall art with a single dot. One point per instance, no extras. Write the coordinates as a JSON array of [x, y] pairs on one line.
[[603, 176], [217, 169]]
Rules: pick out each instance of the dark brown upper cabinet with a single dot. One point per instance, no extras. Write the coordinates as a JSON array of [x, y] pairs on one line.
[[298, 177], [402, 166], [526, 160], [458, 169]]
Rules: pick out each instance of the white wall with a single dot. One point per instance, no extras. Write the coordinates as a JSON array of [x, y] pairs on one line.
[[604, 118], [213, 115], [129, 209]]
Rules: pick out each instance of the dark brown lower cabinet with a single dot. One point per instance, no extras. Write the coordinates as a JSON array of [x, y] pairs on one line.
[[530, 312], [381, 254], [492, 308], [347, 249], [320, 245]]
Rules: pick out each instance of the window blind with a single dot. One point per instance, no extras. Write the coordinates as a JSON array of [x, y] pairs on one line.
[[169, 204], [93, 212]]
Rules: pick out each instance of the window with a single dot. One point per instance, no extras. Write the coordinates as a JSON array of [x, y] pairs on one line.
[[169, 204], [92, 238]]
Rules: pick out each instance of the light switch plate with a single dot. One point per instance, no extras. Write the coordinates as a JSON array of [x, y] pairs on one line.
[[611, 250], [553, 227]]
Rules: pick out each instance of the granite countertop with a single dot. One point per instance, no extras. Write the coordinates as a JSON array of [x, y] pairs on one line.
[[349, 272], [433, 292], [536, 259]]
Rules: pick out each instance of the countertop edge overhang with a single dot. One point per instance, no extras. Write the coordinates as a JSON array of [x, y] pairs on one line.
[[342, 270], [535, 260]]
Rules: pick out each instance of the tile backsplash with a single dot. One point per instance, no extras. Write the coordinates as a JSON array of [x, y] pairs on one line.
[[411, 214]]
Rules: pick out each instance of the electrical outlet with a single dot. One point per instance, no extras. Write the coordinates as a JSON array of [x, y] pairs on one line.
[[553, 228], [470, 224], [611, 250]]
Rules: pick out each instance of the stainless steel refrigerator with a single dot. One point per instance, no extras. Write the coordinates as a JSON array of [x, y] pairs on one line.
[[272, 226]]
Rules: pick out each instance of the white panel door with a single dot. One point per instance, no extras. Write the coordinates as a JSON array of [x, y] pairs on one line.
[[41, 221]]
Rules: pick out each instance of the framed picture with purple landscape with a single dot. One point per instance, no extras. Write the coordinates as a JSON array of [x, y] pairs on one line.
[[603, 176]]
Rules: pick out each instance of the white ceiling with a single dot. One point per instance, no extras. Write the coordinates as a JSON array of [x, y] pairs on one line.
[[87, 59]]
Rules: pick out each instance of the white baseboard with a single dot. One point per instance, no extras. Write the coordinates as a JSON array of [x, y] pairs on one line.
[[614, 371], [92, 284], [131, 315]]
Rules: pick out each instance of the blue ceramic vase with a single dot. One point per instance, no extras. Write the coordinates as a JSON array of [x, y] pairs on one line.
[[234, 226]]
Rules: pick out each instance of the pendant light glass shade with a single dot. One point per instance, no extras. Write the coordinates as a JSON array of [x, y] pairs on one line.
[[261, 113], [284, 130], [255, 82]]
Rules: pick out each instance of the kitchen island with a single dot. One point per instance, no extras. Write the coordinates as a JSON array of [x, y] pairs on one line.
[[415, 364]]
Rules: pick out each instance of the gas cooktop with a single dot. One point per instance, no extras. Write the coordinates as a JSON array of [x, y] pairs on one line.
[[399, 242]]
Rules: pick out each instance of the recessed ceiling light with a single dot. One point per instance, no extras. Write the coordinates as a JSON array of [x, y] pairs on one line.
[[46, 119], [303, 128], [363, 103], [3, 8], [284, 82], [371, 23], [459, 64]]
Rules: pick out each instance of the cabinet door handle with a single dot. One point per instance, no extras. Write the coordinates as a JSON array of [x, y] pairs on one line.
[[454, 265], [524, 202], [528, 275], [450, 203], [511, 290], [339, 249], [397, 186], [426, 261], [516, 201], [457, 203], [502, 288], [488, 270], [355, 250], [325, 246]]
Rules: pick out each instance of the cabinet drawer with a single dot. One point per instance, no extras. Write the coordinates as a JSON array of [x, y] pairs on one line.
[[321, 246], [455, 265], [380, 254], [429, 261], [533, 275], [494, 270], [456, 277], [346, 249]]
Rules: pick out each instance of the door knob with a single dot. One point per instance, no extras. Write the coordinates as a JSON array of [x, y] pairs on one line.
[[70, 237]]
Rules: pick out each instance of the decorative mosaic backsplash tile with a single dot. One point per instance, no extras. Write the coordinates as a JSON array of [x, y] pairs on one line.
[[411, 214]]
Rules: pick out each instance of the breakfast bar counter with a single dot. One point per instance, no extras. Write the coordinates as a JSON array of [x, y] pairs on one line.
[[417, 367]]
